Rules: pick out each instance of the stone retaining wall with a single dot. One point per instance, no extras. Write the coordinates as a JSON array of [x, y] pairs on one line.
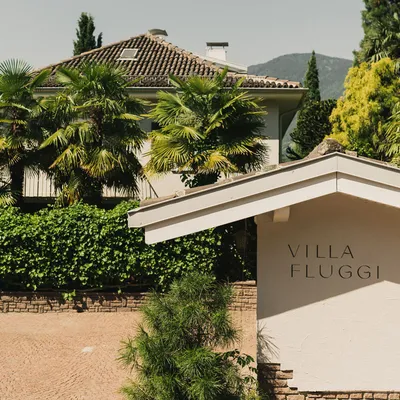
[[274, 381], [245, 299]]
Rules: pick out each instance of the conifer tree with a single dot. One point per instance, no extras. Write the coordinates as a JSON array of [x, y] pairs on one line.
[[370, 100], [173, 353], [85, 35], [311, 81], [313, 121]]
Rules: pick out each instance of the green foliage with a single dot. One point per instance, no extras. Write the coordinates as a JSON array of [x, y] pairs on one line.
[[19, 134], [311, 80], [332, 72], [85, 35], [390, 146], [313, 119], [312, 126], [94, 135], [7, 198], [206, 130], [173, 351], [85, 247], [371, 93], [381, 24]]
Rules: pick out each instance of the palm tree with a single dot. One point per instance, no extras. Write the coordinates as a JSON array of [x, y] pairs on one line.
[[385, 42], [97, 136], [6, 196], [390, 146], [206, 130], [19, 132]]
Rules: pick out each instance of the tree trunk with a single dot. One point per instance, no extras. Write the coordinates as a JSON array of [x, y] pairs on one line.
[[93, 192], [17, 182], [201, 179]]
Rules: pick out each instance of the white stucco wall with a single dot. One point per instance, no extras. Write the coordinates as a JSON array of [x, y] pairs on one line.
[[271, 130], [165, 184], [339, 332]]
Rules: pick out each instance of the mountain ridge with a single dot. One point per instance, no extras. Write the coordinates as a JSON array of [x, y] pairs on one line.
[[293, 66]]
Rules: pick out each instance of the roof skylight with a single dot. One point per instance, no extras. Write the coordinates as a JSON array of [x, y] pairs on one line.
[[128, 55]]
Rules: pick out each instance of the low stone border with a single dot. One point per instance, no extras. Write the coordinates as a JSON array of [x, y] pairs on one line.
[[245, 299], [54, 302], [274, 381]]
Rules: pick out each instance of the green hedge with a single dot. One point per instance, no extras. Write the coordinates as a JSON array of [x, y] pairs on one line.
[[85, 247]]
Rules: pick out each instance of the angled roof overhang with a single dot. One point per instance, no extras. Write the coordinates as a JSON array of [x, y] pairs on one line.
[[293, 95], [255, 194]]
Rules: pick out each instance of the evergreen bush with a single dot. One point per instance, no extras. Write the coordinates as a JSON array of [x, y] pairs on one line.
[[85, 247], [174, 351]]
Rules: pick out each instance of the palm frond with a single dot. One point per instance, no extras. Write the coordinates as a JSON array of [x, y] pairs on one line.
[[217, 162], [183, 132], [220, 77], [101, 162], [199, 86], [128, 117], [133, 82], [391, 143], [57, 139], [16, 142], [177, 82], [73, 156], [39, 78], [7, 104], [71, 191], [7, 198], [168, 108], [14, 67], [13, 122], [3, 144], [67, 75]]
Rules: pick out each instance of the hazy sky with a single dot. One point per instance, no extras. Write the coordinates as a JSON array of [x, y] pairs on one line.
[[42, 31]]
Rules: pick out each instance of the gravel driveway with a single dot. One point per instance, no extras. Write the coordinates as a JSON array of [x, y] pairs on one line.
[[71, 356]]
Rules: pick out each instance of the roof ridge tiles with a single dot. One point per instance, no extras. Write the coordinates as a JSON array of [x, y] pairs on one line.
[[193, 56]]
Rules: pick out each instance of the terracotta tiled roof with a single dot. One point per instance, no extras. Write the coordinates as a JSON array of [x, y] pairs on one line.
[[156, 59]]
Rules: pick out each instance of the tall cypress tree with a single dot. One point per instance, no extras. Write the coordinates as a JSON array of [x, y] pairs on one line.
[[311, 80], [85, 35], [313, 121]]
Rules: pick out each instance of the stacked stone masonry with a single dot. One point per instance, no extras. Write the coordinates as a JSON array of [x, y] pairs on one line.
[[274, 381], [245, 298]]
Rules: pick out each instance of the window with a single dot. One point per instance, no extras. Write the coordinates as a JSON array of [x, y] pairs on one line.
[[128, 54]]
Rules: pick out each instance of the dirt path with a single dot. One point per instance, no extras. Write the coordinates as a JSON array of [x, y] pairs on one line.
[[71, 356]]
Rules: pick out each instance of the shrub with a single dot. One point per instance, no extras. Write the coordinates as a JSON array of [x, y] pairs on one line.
[[85, 247], [371, 92]]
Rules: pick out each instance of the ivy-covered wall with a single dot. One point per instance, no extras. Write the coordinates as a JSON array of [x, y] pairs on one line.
[[85, 247]]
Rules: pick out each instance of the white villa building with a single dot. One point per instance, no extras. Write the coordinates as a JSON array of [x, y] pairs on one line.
[[150, 57]]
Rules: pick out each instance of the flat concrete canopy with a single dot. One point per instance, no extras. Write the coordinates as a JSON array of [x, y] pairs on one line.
[[268, 192]]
